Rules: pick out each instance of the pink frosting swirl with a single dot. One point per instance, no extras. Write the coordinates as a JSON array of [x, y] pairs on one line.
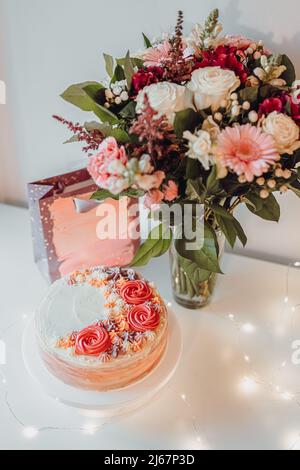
[[136, 292], [92, 341], [143, 318]]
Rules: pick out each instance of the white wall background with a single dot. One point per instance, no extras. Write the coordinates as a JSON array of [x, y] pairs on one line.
[[47, 45]]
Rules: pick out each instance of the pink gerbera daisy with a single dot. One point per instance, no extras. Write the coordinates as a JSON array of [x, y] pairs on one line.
[[154, 56], [247, 151]]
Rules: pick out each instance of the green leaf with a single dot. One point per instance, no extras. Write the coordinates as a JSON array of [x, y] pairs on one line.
[[119, 134], [289, 75], [72, 139], [128, 112], [212, 183], [195, 190], [147, 41], [109, 64], [119, 74], [103, 194], [192, 271], [186, 120], [129, 70], [295, 186], [240, 232], [206, 257], [249, 94], [193, 168], [158, 243], [220, 210], [83, 95], [267, 209], [229, 225]]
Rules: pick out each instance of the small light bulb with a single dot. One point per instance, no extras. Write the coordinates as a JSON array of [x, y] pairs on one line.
[[90, 429], [248, 385], [286, 396], [30, 432], [248, 328]]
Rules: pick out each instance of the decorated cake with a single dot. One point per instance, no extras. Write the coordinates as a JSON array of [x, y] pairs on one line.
[[102, 329]]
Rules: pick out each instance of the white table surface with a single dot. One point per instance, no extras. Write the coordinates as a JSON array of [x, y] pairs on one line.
[[236, 387]]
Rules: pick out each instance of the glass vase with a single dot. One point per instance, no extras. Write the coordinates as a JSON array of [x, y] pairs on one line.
[[189, 289]]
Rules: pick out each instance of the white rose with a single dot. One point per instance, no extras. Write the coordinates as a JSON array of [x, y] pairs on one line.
[[284, 131], [165, 98], [211, 85], [200, 147]]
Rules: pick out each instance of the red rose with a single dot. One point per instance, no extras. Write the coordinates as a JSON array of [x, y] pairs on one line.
[[136, 292], [92, 341], [269, 105], [143, 318], [225, 57], [146, 77], [294, 107]]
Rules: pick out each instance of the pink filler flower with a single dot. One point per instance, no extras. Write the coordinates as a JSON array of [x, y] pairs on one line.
[[171, 191], [153, 198], [247, 150]]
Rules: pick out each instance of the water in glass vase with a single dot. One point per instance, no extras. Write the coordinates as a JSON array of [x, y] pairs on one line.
[[193, 287]]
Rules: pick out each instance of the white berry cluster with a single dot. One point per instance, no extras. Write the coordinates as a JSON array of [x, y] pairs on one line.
[[235, 108], [274, 182], [116, 94]]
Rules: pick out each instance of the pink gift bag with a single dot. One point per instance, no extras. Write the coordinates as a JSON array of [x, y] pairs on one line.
[[64, 226]]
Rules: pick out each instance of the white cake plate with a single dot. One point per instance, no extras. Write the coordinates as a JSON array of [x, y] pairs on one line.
[[107, 403]]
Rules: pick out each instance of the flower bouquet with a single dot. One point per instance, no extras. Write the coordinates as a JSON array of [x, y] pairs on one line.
[[202, 119]]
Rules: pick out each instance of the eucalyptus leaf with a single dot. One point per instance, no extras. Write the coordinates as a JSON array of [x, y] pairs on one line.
[[158, 243]]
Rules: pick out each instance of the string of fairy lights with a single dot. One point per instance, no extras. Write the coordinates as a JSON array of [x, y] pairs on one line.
[[249, 384]]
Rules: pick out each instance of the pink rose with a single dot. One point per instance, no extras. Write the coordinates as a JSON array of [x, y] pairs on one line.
[[171, 191], [153, 198], [107, 162], [154, 181]]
